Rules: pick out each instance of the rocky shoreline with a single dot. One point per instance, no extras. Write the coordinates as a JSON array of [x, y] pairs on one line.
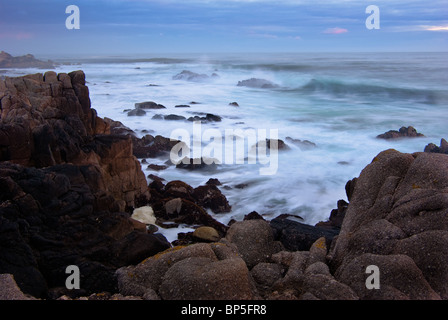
[[70, 182]]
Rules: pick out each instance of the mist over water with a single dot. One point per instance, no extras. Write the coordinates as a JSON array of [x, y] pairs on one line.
[[340, 102]]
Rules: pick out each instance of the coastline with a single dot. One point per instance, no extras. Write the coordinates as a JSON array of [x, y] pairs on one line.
[[64, 168]]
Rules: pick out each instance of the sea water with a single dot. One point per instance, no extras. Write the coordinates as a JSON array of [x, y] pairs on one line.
[[340, 102]]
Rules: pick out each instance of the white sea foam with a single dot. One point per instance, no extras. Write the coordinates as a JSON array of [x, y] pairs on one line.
[[339, 102]]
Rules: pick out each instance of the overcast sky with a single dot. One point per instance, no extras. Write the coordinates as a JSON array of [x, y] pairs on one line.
[[206, 26]]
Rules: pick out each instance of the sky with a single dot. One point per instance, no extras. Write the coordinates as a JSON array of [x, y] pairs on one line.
[[119, 27]]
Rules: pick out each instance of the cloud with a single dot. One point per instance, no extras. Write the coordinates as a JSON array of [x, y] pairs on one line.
[[335, 31], [415, 28], [15, 35], [435, 28]]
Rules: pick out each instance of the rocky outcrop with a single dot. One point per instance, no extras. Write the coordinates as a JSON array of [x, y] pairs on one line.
[[46, 119], [443, 148], [68, 187], [193, 76], [397, 220], [26, 61], [403, 132], [53, 217]]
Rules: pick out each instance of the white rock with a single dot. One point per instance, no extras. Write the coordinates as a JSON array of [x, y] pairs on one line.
[[144, 215]]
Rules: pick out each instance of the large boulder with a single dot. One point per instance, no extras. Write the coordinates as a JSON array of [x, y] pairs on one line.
[[254, 240], [200, 272], [397, 220]]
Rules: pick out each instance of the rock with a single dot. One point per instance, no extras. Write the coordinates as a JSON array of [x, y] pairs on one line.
[[257, 83], [435, 149], [26, 61], [302, 144], [253, 216], [209, 196], [203, 163], [400, 278], [299, 236], [326, 287], [157, 167], [10, 290], [182, 106], [234, 104], [144, 214], [52, 218], [174, 117], [208, 234], [265, 276], [68, 187], [396, 220], [275, 144], [48, 120], [254, 240], [336, 216], [409, 132], [213, 182], [191, 272], [152, 147], [208, 118], [149, 105], [137, 112], [191, 76]]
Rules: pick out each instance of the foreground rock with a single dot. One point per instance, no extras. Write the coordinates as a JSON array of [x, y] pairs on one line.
[[397, 220], [68, 187], [48, 120], [196, 272]]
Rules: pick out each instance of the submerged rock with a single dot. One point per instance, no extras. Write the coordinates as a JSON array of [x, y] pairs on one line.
[[191, 76], [257, 83]]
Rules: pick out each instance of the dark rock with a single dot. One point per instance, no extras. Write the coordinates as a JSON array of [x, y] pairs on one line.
[[149, 105], [195, 164], [156, 167], [209, 196], [191, 76], [234, 104], [152, 147], [276, 144], [213, 182], [257, 83], [298, 236], [302, 144], [435, 149], [136, 112], [208, 118], [182, 106], [54, 217], [174, 117], [48, 120], [336, 216], [408, 132], [253, 216]]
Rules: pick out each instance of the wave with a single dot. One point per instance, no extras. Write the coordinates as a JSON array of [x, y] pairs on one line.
[[342, 89]]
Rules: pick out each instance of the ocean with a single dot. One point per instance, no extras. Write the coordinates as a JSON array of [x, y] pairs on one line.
[[338, 102]]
